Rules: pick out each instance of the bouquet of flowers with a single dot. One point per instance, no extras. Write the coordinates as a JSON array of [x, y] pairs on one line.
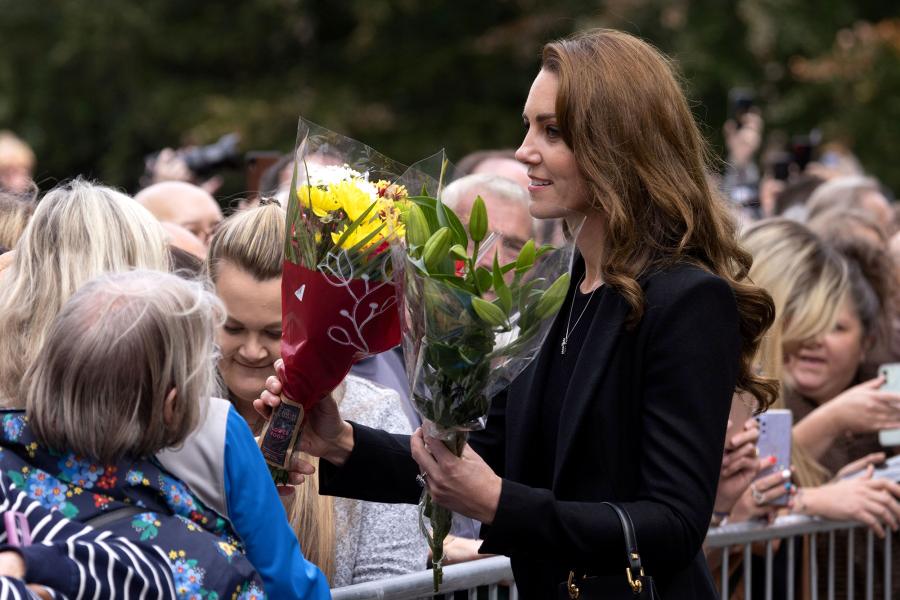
[[470, 324], [338, 292]]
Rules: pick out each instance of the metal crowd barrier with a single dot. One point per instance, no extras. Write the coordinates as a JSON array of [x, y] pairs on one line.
[[793, 531], [491, 573], [494, 575]]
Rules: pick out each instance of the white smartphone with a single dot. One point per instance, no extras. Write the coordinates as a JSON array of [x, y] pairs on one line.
[[775, 440], [891, 373]]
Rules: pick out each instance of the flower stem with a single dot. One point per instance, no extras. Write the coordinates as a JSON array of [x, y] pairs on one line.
[[440, 517]]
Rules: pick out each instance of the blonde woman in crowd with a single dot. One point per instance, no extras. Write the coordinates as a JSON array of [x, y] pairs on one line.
[[810, 284], [831, 383], [78, 232], [858, 234], [352, 541]]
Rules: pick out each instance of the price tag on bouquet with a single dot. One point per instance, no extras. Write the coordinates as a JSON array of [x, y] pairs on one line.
[[282, 433]]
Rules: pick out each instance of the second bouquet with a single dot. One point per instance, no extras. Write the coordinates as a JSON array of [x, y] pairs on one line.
[[339, 298], [470, 323]]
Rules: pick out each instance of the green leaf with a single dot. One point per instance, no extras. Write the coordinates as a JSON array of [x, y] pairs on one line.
[[447, 218], [455, 281], [553, 298], [544, 250], [500, 287], [489, 312], [523, 292], [425, 201], [526, 257], [508, 267], [483, 279], [459, 252]]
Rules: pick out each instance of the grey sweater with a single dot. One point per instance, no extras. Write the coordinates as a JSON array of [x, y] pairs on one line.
[[375, 540]]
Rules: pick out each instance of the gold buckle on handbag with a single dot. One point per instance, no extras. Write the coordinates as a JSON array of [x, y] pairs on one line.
[[574, 592], [635, 582]]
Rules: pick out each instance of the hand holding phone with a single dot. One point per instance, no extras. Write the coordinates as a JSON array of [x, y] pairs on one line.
[[775, 441], [891, 374]]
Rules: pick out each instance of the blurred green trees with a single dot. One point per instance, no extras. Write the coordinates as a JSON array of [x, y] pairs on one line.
[[94, 85]]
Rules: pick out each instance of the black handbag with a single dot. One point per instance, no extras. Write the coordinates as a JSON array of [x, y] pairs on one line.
[[636, 585]]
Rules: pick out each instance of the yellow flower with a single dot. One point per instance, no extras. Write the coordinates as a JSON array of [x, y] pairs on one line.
[[359, 234], [353, 197], [321, 200], [173, 555]]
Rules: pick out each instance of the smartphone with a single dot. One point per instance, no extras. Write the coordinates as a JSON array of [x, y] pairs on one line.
[[891, 374], [775, 440]]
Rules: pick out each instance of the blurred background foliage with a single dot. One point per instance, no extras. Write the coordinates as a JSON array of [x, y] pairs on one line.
[[94, 85]]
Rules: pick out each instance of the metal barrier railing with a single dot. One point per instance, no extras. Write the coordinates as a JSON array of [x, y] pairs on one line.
[[738, 540], [494, 575], [491, 573]]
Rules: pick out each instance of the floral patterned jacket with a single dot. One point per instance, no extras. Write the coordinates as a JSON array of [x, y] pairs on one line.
[[206, 556]]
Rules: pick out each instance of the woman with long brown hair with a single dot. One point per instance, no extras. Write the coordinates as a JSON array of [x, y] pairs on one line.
[[629, 398]]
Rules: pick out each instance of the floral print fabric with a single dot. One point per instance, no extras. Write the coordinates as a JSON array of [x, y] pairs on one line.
[[206, 556]]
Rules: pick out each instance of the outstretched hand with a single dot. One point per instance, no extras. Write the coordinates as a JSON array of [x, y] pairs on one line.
[[866, 408], [325, 434]]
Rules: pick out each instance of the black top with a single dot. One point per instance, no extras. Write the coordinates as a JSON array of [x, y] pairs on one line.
[[559, 376], [644, 427]]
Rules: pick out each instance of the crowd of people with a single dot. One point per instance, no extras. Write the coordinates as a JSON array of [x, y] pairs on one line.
[[139, 339]]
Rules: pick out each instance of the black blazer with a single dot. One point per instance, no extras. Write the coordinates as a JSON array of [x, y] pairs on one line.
[[645, 428]]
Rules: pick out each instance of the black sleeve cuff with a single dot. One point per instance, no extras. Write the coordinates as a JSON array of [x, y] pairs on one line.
[[379, 469], [516, 509]]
